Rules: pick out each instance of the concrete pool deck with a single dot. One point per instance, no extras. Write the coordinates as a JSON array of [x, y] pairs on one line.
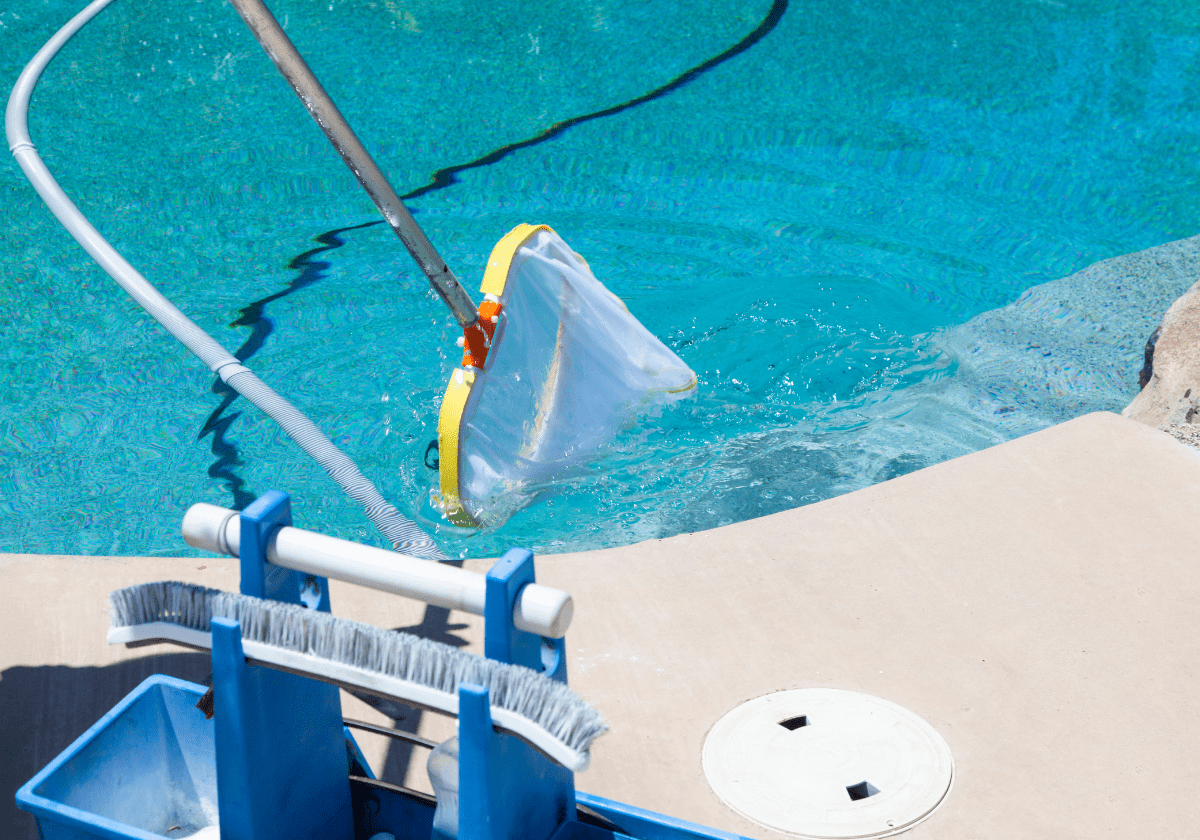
[[1034, 602]]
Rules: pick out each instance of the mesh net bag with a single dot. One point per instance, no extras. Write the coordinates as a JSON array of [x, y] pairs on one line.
[[567, 367]]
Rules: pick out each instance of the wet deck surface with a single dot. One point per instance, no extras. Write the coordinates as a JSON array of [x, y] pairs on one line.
[[1035, 603]]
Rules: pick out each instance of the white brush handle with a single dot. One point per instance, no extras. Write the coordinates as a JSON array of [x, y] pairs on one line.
[[352, 677], [539, 609]]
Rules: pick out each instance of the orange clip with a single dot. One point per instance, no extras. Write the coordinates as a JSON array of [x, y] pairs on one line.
[[477, 338]]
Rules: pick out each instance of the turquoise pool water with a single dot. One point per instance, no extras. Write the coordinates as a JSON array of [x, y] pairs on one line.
[[805, 223]]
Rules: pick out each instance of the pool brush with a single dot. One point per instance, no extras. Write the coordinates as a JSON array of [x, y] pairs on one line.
[[292, 638]]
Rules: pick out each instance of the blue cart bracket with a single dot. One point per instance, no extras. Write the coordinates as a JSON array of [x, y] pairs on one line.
[[643, 824], [148, 770], [267, 755]]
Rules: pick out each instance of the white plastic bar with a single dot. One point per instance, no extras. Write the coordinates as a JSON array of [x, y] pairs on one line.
[[350, 676], [539, 609]]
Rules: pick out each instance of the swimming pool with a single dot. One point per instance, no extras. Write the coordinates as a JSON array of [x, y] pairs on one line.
[[811, 224]]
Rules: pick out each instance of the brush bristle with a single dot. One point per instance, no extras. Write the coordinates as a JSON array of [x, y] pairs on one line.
[[546, 702]]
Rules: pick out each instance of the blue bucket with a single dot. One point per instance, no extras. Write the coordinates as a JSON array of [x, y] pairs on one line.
[[145, 770]]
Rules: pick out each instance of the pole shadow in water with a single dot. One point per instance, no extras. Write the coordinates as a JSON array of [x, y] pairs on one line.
[[219, 422]]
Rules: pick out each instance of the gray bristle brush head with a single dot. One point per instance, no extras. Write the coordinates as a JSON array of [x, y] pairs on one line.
[[549, 704]]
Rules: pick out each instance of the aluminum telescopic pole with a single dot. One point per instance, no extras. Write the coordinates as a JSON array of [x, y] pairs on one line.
[[321, 107]]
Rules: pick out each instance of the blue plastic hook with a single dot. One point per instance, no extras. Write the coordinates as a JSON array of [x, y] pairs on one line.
[[502, 641], [259, 522]]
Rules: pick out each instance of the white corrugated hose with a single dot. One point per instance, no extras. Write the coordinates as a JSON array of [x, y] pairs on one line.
[[404, 534]]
